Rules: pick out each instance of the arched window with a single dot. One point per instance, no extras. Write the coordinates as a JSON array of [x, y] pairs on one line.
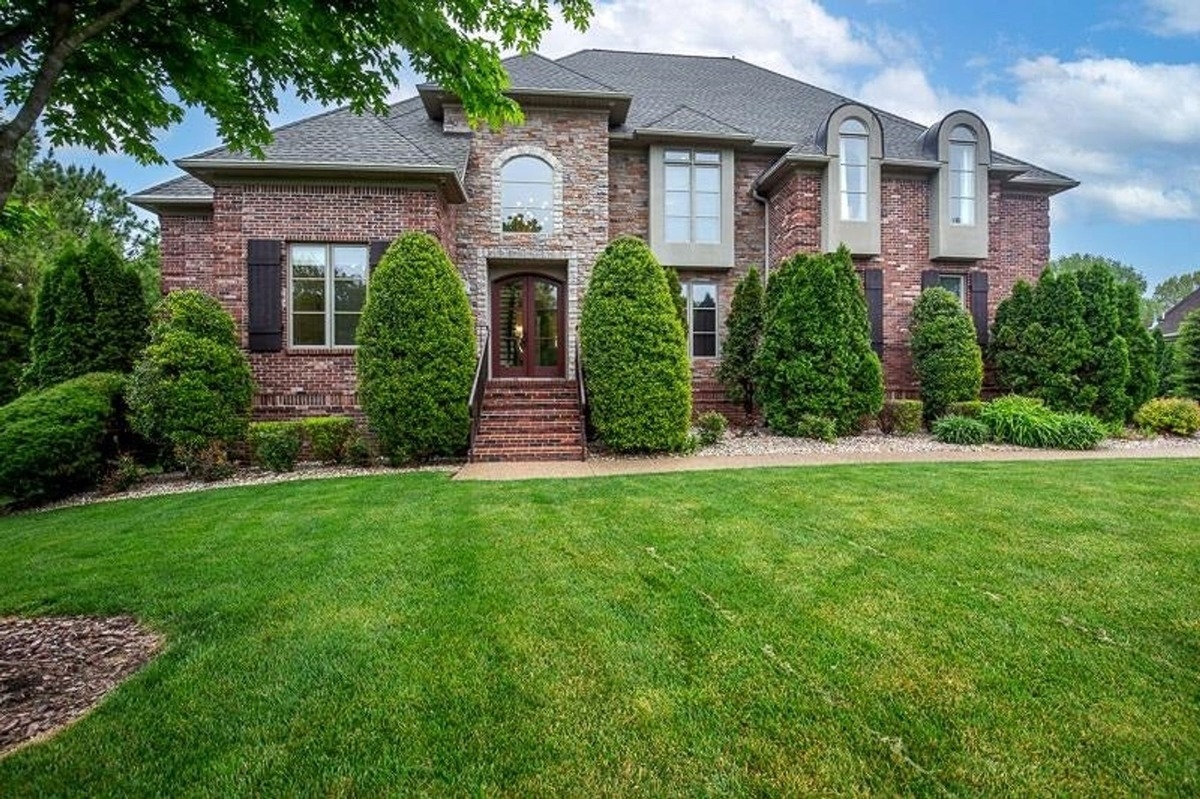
[[852, 151], [963, 143], [526, 195]]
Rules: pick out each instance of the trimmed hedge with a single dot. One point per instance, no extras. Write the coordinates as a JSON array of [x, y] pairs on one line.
[[901, 417], [1028, 422], [961, 430], [635, 353], [276, 445], [191, 390], [1177, 416], [329, 437], [416, 352], [946, 357], [56, 441], [816, 358]]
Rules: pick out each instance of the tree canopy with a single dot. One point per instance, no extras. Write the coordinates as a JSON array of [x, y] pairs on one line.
[[1174, 288], [109, 75], [1121, 272]]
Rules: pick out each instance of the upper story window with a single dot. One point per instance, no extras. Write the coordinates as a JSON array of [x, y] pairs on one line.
[[852, 161], [526, 195], [701, 297], [963, 143], [692, 192], [328, 290]]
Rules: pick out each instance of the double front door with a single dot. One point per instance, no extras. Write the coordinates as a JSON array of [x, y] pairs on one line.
[[528, 325]]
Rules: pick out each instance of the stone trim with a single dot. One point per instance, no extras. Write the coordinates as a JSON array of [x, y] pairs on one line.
[[862, 238], [946, 240]]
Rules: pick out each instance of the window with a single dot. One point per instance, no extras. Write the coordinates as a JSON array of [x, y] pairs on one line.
[[692, 183], [701, 300], [852, 160], [962, 175], [328, 289], [953, 284], [526, 195]]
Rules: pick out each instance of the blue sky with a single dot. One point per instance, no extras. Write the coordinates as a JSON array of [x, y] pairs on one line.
[[1106, 92]]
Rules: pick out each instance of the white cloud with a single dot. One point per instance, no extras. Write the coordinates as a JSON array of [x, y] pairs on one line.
[[1175, 17], [904, 90]]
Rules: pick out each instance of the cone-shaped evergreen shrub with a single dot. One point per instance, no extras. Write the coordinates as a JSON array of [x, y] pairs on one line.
[[1187, 357], [635, 353], [416, 353], [816, 358], [1165, 366], [743, 335], [946, 356], [191, 390], [15, 309], [90, 316], [1143, 351]]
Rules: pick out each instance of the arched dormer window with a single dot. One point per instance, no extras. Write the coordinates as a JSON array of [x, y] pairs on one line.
[[526, 195], [852, 137], [852, 151], [962, 175]]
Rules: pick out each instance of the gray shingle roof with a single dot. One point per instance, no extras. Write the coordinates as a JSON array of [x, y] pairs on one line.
[[723, 97], [184, 187], [1175, 315]]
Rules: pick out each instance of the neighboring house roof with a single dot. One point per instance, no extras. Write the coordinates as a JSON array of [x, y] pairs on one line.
[[647, 94], [1173, 318]]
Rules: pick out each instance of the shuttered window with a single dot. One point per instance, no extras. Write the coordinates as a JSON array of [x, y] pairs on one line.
[[328, 288]]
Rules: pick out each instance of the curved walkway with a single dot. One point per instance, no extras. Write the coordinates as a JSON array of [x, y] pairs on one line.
[[604, 467]]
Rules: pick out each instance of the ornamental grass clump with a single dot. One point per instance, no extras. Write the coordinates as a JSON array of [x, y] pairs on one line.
[[1028, 422], [962, 430], [416, 353], [635, 358]]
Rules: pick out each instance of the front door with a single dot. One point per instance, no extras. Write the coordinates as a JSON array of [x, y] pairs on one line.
[[527, 327]]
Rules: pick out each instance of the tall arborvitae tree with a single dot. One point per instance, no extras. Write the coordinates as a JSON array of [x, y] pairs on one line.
[[742, 339], [1104, 374], [816, 360], [1164, 364], [15, 307], [1187, 357], [90, 316], [945, 352], [1143, 353]]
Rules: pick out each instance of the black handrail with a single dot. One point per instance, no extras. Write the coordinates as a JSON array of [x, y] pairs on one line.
[[582, 396], [479, 386]]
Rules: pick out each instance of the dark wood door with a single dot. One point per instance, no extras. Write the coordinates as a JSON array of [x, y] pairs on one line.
[[528, 324]]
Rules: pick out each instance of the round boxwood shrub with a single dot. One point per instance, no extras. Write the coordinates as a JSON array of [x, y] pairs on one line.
[[635, 353], [56, 441], [1177, 416], [90, 316], [416, 353], [962, 430], [816, 358], [946, 357], [191, 390]]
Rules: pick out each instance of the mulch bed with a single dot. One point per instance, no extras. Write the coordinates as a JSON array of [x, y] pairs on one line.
[[54, 670]]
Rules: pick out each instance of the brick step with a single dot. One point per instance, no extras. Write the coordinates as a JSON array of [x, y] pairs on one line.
[[523, 413], [529, 431], [516, 456], [526, 398], [532, 441], [493, 405]]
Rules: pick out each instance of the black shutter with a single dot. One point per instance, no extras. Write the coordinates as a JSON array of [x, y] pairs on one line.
[[930, 278], [873, 286], [378, 248], [979, 305], [264, 274]]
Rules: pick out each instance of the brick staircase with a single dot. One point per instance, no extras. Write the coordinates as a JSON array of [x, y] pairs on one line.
[[528, 420]]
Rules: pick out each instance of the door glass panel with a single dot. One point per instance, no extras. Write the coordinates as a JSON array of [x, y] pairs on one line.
[[510, 324], [546, 312]]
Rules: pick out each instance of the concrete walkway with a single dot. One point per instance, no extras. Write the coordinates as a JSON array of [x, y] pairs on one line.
[[607, 467]]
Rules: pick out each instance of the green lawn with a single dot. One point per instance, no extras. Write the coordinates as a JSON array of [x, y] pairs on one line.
[[1009, 629]]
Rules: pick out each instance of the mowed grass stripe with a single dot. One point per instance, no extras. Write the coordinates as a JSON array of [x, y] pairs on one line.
[[923, 629]]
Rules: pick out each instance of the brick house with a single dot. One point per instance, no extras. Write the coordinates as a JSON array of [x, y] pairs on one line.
[[717, 163]]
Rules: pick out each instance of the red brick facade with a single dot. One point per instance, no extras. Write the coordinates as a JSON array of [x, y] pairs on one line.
[[602, 191]]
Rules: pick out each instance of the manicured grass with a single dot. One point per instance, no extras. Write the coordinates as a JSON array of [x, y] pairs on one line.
[[1017, 629]]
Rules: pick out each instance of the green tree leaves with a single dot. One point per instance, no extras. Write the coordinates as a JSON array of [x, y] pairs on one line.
[[946, 357]]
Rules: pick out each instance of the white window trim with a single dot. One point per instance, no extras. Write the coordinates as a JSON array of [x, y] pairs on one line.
[[329, 313], [694, 166], [686, 255], [865, 138], [686, 286], [962, 285], [550, 227], [556, 214]]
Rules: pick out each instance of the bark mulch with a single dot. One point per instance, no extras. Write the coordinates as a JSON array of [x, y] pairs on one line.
[[54, 670]]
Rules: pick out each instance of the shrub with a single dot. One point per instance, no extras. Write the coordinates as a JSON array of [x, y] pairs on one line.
[[56, 441], [1164, 355], [15, 309], [123, 474], [816, 357], [677, 295], [821, 428], [743, 335], [1143, 351], [968, 409], [416, 352], [191, 390], [962, 430], [1165, 415], [634, 353], [358, 451], [276, 445], [946, 357], [1028, 422], [90, 316], [901, 417], [712, 427], [329, 437], [1187, 357]]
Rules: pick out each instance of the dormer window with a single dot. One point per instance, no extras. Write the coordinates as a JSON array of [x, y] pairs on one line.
[[852, 160], [962, 175], [526, 195]]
